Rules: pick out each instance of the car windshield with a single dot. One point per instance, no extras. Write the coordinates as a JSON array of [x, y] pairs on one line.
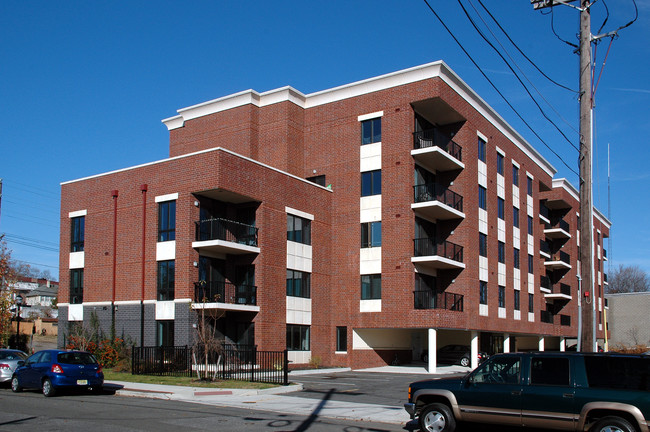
[[76, 358], [12, 355]]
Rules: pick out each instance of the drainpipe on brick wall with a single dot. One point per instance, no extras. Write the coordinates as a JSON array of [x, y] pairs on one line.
[[114, 194], [143, 189]]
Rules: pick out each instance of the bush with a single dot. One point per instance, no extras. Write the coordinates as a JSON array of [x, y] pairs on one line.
[[108, 352], [19, 342]]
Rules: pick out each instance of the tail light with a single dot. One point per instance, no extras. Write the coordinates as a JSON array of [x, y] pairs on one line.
[[99, 369], [57, 369], [4, 366]]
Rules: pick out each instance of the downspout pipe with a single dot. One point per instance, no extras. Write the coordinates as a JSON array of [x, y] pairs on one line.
[[143, 189], [114, 194]]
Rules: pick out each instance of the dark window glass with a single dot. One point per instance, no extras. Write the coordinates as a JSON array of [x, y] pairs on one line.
[[500, 370], [166, 221], [531, 303], [502, 252], [502, 296], [515, 175], [549, 371], [628, 373], [481, 149], [370, 287], [341, 338], [516, 258], [515, 217], [530, 186], [166, 276], [298, 284], [319, 180], [516, 298], [370, 234], [371, 131], [499, 163], [76, 286], [530, 225], [77, 233], [297, 337], [298, 229], [482, 197], [501, 203], [483, 292], [531, 267], [165, 336], [482, 245], [371, 183]]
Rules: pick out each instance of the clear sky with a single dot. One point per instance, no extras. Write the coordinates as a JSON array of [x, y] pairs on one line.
[[84, 86]]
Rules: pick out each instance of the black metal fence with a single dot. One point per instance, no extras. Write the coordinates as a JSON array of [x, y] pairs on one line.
[[243, 363]]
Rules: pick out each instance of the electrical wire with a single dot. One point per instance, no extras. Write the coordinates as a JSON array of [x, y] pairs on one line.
[[516, 76], [32, 263], [8, 235], [555, 33], [606, 17], [524, 54], [495, 87]]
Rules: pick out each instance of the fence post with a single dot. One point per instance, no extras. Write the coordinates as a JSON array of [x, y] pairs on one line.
[[286, 367], [253, 361]]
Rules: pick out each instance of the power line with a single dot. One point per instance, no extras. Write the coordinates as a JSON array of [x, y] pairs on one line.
[[8, 235], [35, 246], [36, 220], [39, 208], [47, 191], [555, 33], [496, 89], [32, 263]]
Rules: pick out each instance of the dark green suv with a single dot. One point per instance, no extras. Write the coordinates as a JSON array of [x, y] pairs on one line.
[[551, 390]]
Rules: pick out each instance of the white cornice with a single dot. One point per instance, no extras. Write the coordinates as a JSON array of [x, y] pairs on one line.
[[568, 186]]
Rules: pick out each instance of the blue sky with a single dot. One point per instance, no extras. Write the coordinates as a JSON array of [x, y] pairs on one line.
[[84, 86]]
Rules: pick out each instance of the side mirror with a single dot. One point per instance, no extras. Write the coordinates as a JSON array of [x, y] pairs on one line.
[[21, 363]]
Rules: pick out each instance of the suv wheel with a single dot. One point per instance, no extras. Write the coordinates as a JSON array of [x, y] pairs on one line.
[[464, 361], [437, 417], [612, 424]]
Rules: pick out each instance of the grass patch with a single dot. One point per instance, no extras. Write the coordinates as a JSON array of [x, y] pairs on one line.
[[110, 375]]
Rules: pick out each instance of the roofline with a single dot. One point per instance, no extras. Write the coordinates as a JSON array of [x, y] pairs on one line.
[[214, 149], [569, 187], [437, 69]]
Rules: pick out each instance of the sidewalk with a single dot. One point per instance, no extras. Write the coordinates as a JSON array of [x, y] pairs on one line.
[[280, 399]]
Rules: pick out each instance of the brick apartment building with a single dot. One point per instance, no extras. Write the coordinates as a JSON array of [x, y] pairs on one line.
[[358, 224]]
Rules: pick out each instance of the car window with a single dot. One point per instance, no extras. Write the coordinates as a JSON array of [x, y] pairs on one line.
[[34, 358], [46, 357], [76, 358], [12, 355], [549, 371], [499, 370], [618, 372]]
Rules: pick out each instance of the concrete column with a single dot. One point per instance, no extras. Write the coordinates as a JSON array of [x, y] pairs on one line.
[[506, 342], [562, 344], [433, 348], [474, 350], [541, 343]]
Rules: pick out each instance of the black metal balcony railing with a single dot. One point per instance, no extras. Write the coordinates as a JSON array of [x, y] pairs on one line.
[[436, 192], [429, 247], [605, 277], [543, 210], [561, 223], [565, 320], [223, 229], [546, 317], [565, 257], [564, 289], [435, 138], [437, 300], [545, 247], [545, 282], [604, 253], [224, 292]]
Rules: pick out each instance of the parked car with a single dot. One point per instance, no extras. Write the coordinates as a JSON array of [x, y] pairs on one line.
[[9, 359], [51, 370], [598, 392], [454, 354]]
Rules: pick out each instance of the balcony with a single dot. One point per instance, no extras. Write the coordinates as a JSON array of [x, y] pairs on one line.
[[605, 279], [435, 202], [437, 300], [436, 151], [437, 255], [558, 261], [544, 248], [565, 320], [560, 292], [604, 254], [559, 230], [225, 295], [546, 317], [222, 236]]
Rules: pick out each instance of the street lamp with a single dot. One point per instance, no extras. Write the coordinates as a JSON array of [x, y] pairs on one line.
[[19, 303]]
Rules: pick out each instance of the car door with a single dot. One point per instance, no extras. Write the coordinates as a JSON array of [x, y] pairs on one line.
[[492, 393], [42, 367], [28, 375], [548, 399]]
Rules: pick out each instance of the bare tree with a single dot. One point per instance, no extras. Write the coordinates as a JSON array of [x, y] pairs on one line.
[[207, 340], [7, 277], [625, 279]]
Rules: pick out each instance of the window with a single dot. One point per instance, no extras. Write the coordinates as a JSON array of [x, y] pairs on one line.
[[515, 217], [502, 370], [371, 131], [531, 303], [298, 284], [500, 163], [341, 339], [516, 298], [371, 183], [530, 225], [165, 333], [516, 256], [298, 229], [77, 232], [529, 186], [481, 149], [370, 234], [502, 296], [297, 337], [483, 292], [167, 221], [319, 180], [371, 287], [482, 245], [502, 211], [166, 275], [552, 371], [502, 252], [515, 175], [531, 266], [76, 286], [482, 197]]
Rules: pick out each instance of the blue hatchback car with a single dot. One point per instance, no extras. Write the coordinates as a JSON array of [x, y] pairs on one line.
[[51, 370]]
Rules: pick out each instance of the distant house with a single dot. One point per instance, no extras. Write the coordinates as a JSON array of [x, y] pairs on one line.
[[38, 295]]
